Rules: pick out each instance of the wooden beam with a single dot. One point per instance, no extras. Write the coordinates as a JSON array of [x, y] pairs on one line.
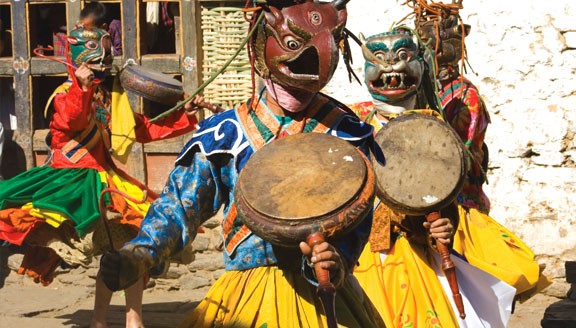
[[43, 66], [46, 1], [73, 8], [191, 45], [129, 8], [130, 49], [165, 63], [6, 66], [21, 68]]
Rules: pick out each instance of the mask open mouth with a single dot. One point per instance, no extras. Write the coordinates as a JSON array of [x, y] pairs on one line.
[[100, 65], [394, 81], [306, 66]]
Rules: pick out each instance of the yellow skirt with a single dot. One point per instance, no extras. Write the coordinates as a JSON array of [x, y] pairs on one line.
[[405, 288], [491, 247], [270, 297]]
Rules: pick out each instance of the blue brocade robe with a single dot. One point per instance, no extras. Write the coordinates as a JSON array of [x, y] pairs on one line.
[[205, 176]]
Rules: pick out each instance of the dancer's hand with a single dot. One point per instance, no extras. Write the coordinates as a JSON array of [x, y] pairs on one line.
[[199, 102], [441, 230], [193, 105], [327, 257], [85, 76]]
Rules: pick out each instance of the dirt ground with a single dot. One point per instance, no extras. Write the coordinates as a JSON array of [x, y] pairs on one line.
[[26, 305]]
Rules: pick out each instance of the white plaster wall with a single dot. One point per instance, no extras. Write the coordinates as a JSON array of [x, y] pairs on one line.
[[524, 56]]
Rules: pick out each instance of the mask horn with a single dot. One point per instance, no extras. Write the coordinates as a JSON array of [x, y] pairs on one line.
[[339, 4]]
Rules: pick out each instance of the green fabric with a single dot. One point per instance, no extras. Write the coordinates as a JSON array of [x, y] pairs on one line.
[[284, 120], [73, 192], [266, 134]]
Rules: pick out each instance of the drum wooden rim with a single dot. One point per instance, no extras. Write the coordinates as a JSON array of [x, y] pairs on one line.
[[290, 233], [151, 84], [455, 179]]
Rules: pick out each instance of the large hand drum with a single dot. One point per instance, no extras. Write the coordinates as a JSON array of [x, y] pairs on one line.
[[151, 84], [306, 187], [304, 183], [424, 164], [423, 171]]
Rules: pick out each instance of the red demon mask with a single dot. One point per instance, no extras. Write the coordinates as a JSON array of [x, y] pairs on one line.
[[297, 46]]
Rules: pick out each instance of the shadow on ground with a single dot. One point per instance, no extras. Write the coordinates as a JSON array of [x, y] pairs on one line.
[[156, 315]]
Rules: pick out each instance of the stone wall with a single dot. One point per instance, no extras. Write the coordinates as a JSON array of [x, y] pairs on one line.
[[524, 58]]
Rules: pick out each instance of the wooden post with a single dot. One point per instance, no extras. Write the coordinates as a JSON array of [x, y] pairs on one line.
[[73, 8], [191, 39], [21, 70], [136, 163]]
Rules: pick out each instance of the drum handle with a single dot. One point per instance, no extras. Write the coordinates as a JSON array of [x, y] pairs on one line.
[[326, 290], [449, 268], [213, 77]]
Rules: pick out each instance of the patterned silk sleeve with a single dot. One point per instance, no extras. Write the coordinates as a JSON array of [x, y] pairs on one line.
[[191, 196], [478, 119]]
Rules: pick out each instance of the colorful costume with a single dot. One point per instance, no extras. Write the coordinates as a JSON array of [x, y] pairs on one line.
[[466, 113], [400, 272], [483, 241], [54, 209], [463, 106], [258, 273], [264, 285]]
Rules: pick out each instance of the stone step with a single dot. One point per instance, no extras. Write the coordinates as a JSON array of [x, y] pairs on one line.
[[561, 314], [570, 271]]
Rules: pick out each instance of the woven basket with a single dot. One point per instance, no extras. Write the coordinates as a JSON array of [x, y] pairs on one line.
[[223, 30]]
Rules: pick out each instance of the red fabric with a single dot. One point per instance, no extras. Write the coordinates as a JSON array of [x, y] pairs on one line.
[[16, 224], [40, 264], [72, 114], [174, 125]]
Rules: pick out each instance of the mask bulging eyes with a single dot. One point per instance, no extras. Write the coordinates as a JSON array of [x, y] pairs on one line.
[[380, 56], [403, 55], [91, 45], [291, 43]]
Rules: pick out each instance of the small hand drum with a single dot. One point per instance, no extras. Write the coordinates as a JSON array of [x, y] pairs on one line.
[[302, 184], [424, 164], [151, 84]]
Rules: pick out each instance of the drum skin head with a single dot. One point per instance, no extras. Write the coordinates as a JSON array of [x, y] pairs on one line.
[[424, 164], [304, 183], [303, 177]]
